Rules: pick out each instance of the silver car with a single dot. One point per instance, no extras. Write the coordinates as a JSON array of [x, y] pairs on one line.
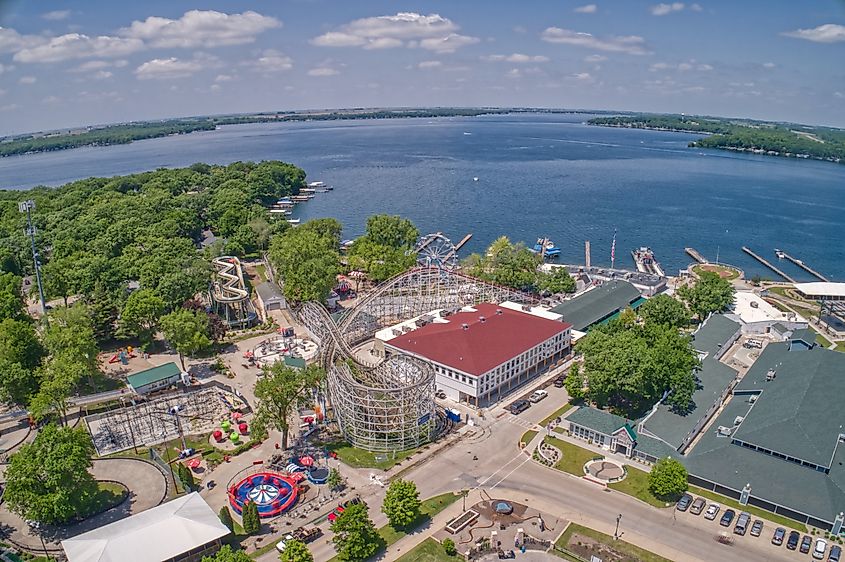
[[712, 511]]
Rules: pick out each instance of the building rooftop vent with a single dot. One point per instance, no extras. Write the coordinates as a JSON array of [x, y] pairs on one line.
[[724, 431], [738, 420], [499, 312], [482, 319], [752, 399], [770, 376], [465, 326]]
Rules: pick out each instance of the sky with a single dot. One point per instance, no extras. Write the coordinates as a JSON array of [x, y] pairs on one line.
[[68, 64]]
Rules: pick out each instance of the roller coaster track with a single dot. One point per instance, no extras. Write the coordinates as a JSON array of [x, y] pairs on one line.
[[328, 336], [230, 286]]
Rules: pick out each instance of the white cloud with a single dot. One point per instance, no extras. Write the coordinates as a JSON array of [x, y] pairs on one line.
[[99, 65], [11, 40], [78, 46], [595, 58], [9, 107], [839, 94], [516, 58], [215, 87], [160, 69], [201, 28], [827, 33], [271, 61], [322, 71], [768, 65], [684, 66], [223, 78], [101, 75], [27, 80], [658, 66], [49, 100], [432, 32], [520, 29], [429, 64], [586, 9], [695, 7], [56, 15], [704, 67], [631, 44], [665, 9], [4, 68]]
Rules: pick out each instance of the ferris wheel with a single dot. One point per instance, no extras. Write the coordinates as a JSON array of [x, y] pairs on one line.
[[436, 250]]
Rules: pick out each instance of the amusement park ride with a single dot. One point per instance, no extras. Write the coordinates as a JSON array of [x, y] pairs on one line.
[[229, 296]]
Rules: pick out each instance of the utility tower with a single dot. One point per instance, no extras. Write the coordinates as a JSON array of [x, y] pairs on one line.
[[27, 207]]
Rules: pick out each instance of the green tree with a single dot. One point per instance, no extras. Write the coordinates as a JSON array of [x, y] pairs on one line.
[[668, 479], [355, 536], [401, 503], [187, 332], [326, 228], [141, 315], [307, 262], [296, 551], [280, 392], [251, 519], [226, 554], [574, 382], [17, 385], [335, 480], [186, 475], [226, 517], [449, 547], [504, 263], [19, 344], [663, 309], [710, 293], [558, 280], [392, 231], [11, 298], [71, 333], [48, 480]]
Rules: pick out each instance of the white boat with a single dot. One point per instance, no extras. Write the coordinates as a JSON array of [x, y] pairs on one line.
[[293, 221], [317, 184], [475, 178]]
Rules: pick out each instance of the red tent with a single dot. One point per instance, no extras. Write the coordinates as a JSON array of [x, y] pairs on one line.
[[306, 461], [194, 463]]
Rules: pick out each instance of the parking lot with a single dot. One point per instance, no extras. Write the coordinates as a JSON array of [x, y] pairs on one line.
[[727, 535]]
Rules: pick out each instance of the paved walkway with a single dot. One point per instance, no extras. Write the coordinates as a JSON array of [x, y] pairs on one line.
[[147, 487]]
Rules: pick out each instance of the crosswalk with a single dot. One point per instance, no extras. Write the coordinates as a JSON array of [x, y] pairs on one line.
[[516, 420]]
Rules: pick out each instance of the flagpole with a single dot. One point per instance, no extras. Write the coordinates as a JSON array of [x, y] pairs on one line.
[[613, 251]]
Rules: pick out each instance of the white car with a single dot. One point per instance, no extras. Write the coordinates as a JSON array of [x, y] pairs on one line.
[[712, 511], [282, 544], [537, 396], [819, 550]]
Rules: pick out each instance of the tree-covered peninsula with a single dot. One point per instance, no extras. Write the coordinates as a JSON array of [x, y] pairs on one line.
[[759, 137]]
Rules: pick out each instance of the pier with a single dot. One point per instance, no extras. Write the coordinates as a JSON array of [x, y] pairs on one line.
[[693, 253], [804, 266], [460, 245], [762, 260]]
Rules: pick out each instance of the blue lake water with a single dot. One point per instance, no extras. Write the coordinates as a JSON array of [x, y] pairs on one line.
[[538, 175]]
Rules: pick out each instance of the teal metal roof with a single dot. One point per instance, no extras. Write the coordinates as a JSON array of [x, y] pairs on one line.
[[711, 336], [597, 420], [597, 304], [156, 374]]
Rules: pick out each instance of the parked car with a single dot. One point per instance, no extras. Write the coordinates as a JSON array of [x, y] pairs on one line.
[[792, 541], [757, 528], [835, 553], [727, 517], [742, 523], [820, 548], [537, 396], [712, 511], [697, 506], [806, 543], [519, 406], [282, 544], [777, 538], [353, 501], [560, 381], [440, 394], [684, 503]]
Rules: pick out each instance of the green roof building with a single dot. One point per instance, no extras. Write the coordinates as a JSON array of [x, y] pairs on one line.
[[599, 304], [150, 380]]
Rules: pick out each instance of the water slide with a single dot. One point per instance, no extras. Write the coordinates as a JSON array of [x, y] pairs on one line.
[[229, 287]]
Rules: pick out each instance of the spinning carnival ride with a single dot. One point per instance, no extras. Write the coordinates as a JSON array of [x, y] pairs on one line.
[[229, 296]]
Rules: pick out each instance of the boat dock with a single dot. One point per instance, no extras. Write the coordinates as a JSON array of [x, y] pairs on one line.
[[803, 266], [459, 245], [694, 254], [762, 260]]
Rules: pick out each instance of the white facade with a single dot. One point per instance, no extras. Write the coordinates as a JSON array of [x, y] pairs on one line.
[[758, 316]]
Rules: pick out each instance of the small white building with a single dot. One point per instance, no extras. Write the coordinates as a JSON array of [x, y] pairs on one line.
[[479, 353], [758, 317]]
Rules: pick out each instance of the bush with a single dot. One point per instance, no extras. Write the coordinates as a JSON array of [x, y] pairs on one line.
[[668, 479], [226, 517], [449, 547], [251, 519]]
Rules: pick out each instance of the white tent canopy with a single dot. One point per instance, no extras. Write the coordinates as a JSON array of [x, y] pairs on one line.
[[157, 534]]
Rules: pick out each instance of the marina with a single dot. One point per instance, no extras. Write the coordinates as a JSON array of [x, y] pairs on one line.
[[646, 262], [694, 254], [783, 255], [768, 264]]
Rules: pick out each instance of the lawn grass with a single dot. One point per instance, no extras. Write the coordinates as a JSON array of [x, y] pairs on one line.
[[558, 413], [261, 270], [109, 494], [636, 484], [359, 458], [573, 457], [427, 551], [755, 511], [840, 347], [428, 510], [731, 272], [619, 546], [528, 436]]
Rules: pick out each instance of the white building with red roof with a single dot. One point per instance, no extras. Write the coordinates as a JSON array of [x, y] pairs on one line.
[[479, 353]]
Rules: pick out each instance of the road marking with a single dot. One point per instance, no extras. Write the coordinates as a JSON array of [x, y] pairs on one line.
[[483, 482], [509, 473]]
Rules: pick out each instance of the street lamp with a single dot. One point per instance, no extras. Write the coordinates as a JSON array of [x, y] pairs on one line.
[[27, 207], [616, 532]]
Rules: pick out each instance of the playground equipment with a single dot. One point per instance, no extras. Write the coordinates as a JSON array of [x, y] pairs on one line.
[[388, 405], [229, 296], [277, 348], [273, 493]]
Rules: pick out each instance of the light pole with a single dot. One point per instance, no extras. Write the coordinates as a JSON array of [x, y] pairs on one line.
[[616, 532], [27, 207]]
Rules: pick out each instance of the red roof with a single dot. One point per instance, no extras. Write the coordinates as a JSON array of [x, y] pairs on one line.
[[503, 335]]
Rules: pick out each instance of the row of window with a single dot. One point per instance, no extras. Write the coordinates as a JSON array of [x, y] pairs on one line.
[[782, 456]]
